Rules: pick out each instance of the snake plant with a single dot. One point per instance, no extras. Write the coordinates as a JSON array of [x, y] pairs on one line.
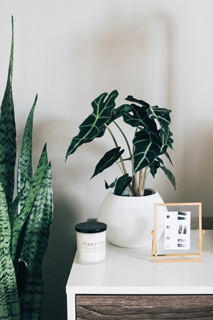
[[25, 214], [151, 139]]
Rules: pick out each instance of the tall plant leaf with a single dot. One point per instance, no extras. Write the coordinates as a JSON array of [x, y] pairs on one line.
[[138, 117], [146, 150], [94, 125], [155, 166], [8, 134], [17, 237], [122, 184], [107, 160], [35, 246], [9, 301], [169, 175], [24, 173], [139, 101], [111, 185], [162, 116]]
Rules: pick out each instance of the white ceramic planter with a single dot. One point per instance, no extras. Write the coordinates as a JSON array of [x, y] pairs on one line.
[[130, 220]]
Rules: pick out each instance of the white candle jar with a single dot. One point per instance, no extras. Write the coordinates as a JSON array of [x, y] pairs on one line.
[[91, 242]]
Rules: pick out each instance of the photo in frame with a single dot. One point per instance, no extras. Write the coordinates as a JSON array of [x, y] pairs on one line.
[[178, 233]]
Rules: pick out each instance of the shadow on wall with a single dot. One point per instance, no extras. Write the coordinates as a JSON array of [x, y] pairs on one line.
[[58, 260], [197, 171]]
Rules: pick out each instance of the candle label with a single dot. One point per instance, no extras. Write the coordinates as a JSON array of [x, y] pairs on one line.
[[91, 247]]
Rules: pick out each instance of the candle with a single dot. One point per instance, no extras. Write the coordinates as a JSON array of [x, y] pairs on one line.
[[91, 242]]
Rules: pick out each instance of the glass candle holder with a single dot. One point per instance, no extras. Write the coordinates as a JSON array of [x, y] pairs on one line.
[[91, 242]]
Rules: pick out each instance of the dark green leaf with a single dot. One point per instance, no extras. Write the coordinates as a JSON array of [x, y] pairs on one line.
[[9, 302], [122, 184], [138, 118], [168, 157], [141, 102], [107, 160], [162, 116], [154, 167], [169, 175], [118, 112], [8, 134], [111, 185], [146, 150], [94, 125]]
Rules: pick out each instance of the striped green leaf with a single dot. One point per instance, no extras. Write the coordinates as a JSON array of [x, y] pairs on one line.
[[94, 125], [34, 248], [163, 117], [19, 223], [146, 149], [24, 172], [169, 175], [122, 184], [107, 160], [138, 117], [9, 301], [8, 134]]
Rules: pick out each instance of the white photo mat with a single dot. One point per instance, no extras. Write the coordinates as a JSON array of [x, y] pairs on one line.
[[177, 230], [177, 242]]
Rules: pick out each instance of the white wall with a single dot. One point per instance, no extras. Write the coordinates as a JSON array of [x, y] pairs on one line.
[[71, 51]]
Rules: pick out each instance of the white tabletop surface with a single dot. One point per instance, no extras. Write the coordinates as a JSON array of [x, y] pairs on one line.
[[133, 271]]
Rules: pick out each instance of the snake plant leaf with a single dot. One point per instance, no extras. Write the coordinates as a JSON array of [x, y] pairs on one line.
[[169, 175], [25, 157], [24, 172], [107, 160], [8, 134], [19, 223], [13, 208], [35, 246], [94, 125], [122, 184], [9, 301], [162, 116], [146, 149]]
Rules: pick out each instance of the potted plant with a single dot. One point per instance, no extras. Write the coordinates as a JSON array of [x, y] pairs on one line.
[[24, 220], [151, 140]]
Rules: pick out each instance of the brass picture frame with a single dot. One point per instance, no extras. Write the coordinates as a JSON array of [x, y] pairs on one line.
[[178, 255]]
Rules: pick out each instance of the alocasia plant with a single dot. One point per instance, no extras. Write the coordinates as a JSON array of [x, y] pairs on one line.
[[24, 221], [152, 138]]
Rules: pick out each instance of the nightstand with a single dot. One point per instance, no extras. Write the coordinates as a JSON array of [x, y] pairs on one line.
[[129, 285]]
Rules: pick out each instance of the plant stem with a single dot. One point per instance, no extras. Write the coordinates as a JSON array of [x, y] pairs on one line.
[[140, 187], [116, 144], [125, 138], [121, 159], [134, 184], [144, 179]]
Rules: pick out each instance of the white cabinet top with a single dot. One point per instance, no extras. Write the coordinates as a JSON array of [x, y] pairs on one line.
[[133, 271]]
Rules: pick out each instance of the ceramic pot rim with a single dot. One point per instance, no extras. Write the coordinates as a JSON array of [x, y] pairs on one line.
[[138, 197]]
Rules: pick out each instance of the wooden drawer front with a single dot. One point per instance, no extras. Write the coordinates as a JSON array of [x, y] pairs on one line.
[[106, 307]]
